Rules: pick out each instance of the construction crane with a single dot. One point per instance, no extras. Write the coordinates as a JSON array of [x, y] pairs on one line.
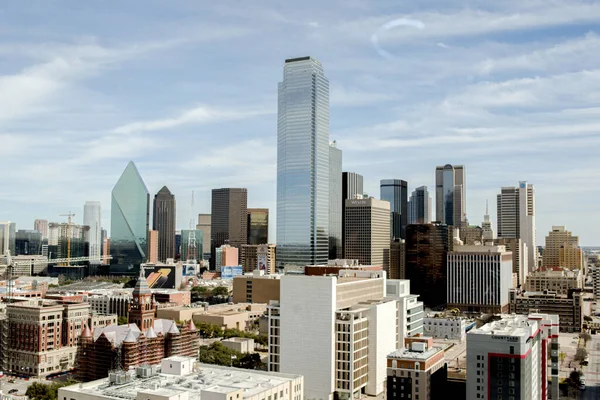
[[69, 234]]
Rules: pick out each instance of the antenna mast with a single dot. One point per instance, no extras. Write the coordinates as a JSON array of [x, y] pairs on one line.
[[191, 245]]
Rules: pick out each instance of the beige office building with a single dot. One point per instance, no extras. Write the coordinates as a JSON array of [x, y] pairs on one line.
[[560, 238], [261, 257], [559, 281], [153, 247], [368, 231], [204, 225], [256, 288]]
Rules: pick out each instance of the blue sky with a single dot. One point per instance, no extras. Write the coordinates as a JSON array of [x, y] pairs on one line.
[[188, 90]]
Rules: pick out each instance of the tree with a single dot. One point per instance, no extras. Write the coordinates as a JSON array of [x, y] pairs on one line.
[[585, 336], [575, 378], [130, 284], [587, 318], [209, 330], [122, 321], [218, 354], [220, 291], [581, 354], [199, 289], [39, 391]]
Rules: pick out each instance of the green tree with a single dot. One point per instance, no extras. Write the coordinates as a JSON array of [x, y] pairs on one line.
[[581, 354], [220, 291], [209, 330], [218, 354], [200, 290], [37, 391], [587, 318], [122, 321], [585, 336]]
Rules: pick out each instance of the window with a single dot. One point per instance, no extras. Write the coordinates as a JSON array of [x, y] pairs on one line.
[[512, 349]]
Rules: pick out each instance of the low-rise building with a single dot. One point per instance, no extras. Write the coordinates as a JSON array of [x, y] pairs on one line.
[[256, 287], [441, 327], [111, 303], [417, 372], [182, 378], [559, 280], [243, 345], [595, 272], [569, 308], [229, 316]]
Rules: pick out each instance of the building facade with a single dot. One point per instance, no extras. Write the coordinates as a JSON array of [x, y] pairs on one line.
[[258, 257], [192, 243], [92, 217], [129, 223], [568, 308], [451, 328], [395, 191], [303, 164], [367, 231], [479, 278], [226, 256], [256, 287], [28, 243], [229, 218], [164, 221], [153, 246], [419, 206], [258, 226], [8, 236], [562, 249], [204, 225], [450, 195], [397, 259], [335, 206], [41, 225], [352, 185], [510, 358], [561, 281]]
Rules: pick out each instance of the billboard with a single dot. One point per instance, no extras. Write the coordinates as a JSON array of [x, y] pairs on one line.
[[261, 260], [230, 272], [161, 277], [190, 269]]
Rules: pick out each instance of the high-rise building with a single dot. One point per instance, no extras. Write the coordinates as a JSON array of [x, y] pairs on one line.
[[129, 222], [397, 259], [153, 241], [41, 225], [229, 218], [258, 226], [28, 242], [191, 247], [427, 247], [450, 195], [486, 226], [226, 256], [258, 257], [508, 359], [562, 249], [395, 191], [419, 206], [92, 217], [352, 185], [8, 237], [164, 221], [516, 219], [68, 240], [303, 164], [204, 225], [519, 256], [568, 307], [367, 231], [479, 278], [335, 206]]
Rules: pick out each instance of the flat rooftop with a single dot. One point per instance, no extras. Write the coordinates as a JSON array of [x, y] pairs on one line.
[[408, 354], [205, 377], [513, 325]]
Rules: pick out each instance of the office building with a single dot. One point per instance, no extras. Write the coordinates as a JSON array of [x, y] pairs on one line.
[[67, 240], [508, 359], [569, 308], [450, 195], [92, 217], [479, 278], [28, 242], [116, 302], [41, 225], [427, 247], [129, 222], [562, 249], [302, 164], [256, 287], [204, 224], [164, 221], [229, 218], [397, 259], [486, 226], [153, 246], [519, 256], [106, 251], [226, 256], [417, 371], [445, 327], [516, 220], [367, 231], [258, 257], [338, 330], [419, 206], [560, 280], [258, 226], [395, 191], [183, 378], [595, 273], [8, 237], [471, 234], [191, 244], [335, 206], [352, 185]]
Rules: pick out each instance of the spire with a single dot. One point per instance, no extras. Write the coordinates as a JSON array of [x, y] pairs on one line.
[[486, 207], [141, 286], [191, 325], [86, 332], [173, 329], [130, 338]]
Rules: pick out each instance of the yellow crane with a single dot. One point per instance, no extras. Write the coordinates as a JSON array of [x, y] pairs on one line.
[[69, 234]]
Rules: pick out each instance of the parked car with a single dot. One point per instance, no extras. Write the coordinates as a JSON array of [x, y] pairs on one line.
[[11, 391]]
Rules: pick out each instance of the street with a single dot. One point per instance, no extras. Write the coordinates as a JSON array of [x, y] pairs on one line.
[[592, 371]]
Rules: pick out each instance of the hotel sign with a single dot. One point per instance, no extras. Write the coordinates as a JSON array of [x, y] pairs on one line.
[[506, 338]]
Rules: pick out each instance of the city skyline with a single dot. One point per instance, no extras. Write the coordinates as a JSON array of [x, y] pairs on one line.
[[86, 91]]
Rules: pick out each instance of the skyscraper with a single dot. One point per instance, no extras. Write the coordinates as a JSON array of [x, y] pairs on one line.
[[516, 219], [129, 222], [352, 185], [204, 225], [562, 249], [258, 225], [486, 226], [395, 191], [450, 195], [163, 221], [41, 225], [419, 206], [8, 236], [92, 217], [28, 242], [335, 206], [229, 218], [303, 164]]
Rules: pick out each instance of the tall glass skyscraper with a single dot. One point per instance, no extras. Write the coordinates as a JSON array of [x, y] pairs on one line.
[[129, 215], [163, 221], [92, 217], [335, 205], [303, 164], [450, 195], [419, 206], [396, 192]]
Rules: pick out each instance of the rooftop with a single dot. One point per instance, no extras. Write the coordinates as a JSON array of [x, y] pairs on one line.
[[509, 325], [408, 354]]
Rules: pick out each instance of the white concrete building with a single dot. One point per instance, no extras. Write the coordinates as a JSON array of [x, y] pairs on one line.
[[509, 358], [338, 331], [452, 328], [479, 278], [182, 378], [92, 217], [116, 302], [243, 345]]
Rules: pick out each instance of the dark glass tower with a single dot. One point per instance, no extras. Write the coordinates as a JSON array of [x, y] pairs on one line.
[[163, 221], [335, 206], [396, 192], [229, 223], [258, 225], [129, 218], [352, 184]]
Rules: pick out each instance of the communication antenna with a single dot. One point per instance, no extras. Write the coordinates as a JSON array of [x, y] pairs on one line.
[[191, 245]]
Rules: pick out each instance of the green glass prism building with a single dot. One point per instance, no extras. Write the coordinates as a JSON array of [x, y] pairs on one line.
[[129, 216], [303, 164]]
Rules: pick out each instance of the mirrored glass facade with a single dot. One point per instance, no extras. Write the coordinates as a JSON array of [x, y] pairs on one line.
[[396, 192], [303, 164], [335, 205], [188, 252], [258, 225], [129, 222]]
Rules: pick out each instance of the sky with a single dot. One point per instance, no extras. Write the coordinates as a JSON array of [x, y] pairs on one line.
[[188, 90]]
